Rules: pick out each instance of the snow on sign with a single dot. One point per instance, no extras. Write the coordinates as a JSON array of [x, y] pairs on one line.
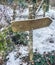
[[31, 24]]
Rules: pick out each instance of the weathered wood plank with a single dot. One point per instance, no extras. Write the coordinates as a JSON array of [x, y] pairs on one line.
[[31, 24]]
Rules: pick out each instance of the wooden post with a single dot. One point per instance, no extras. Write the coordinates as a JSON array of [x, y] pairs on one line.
[[30, 45], [31, 16]]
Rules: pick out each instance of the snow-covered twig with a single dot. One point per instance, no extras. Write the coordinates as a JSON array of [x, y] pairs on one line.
[[39, 6]]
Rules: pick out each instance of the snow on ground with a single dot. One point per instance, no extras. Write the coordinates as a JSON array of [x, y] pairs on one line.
[[41, 39], [12, 60], [24, 50], [5, 14], [17, 61], [50, 13]]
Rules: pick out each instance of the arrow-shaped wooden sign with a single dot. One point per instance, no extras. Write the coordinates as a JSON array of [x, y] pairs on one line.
[[31, 24]]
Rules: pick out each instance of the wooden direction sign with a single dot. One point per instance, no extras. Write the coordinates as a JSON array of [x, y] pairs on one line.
[[31, 24]]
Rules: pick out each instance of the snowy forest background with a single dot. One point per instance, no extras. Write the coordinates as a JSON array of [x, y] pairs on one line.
[[15, 45]]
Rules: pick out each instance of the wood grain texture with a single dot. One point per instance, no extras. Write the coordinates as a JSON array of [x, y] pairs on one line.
[[31, 24]]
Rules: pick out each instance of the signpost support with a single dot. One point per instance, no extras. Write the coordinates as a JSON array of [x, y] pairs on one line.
[[31, 16], [31, 45]]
